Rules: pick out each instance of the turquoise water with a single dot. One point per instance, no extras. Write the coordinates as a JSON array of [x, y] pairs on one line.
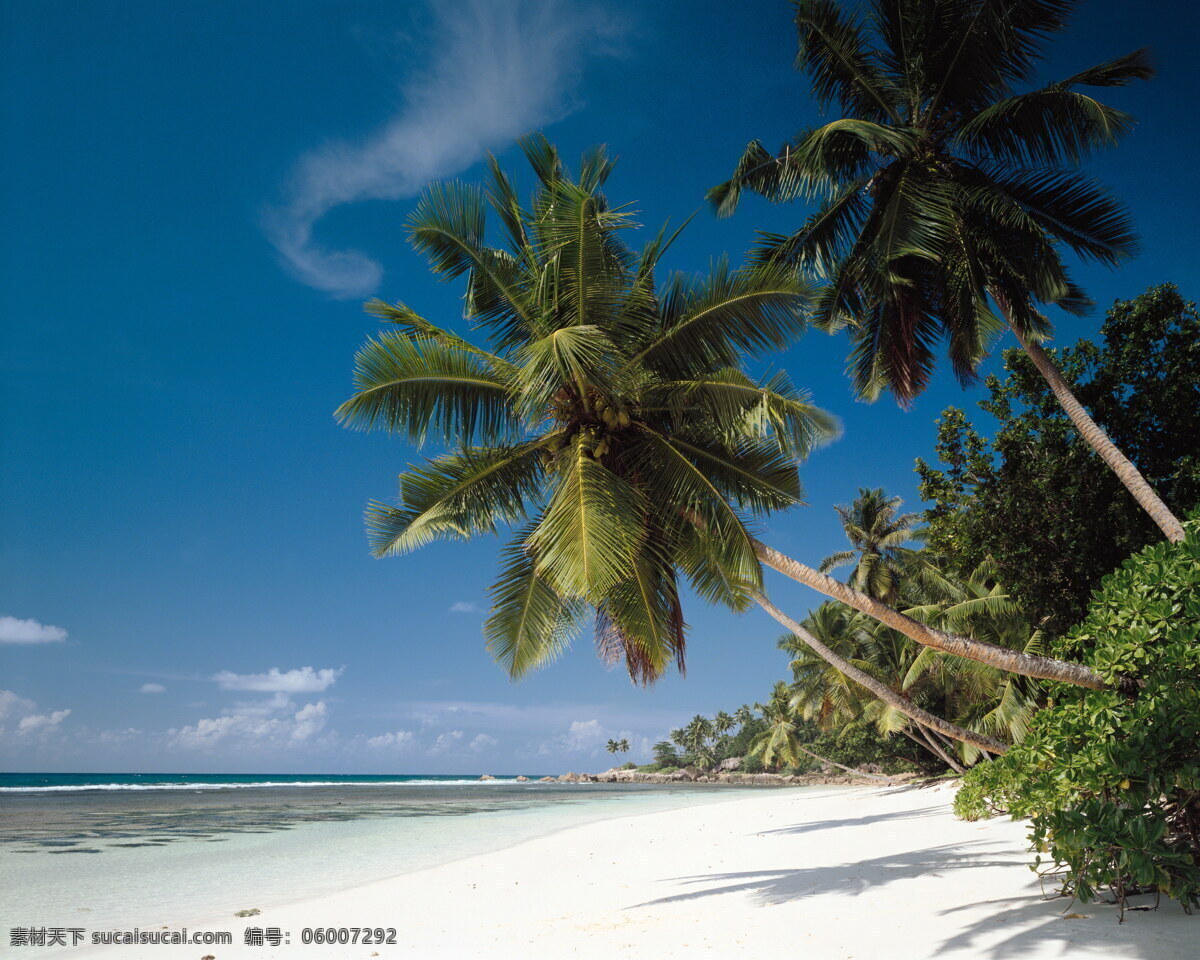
[[124, 850], [58, 782]]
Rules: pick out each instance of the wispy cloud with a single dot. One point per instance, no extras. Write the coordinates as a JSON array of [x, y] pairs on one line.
[[463, 606], [497, 69], [153, 688], [13, 630], [301, 680]]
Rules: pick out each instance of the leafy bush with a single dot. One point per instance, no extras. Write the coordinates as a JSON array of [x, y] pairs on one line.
[[1111, 778], [629, 765], [751, 765]]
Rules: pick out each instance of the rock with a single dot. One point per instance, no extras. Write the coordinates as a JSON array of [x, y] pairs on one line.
[[522, 779], [547, 780], [208, 956], [569, 778], [254, 912], [730, 764], [487, 776]]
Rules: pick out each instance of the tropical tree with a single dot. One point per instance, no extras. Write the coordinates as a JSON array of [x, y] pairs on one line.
[[609, 423], [948, 194], [877, 535], [826, 695], [722, 723], [780, 743], [617, 746], [665, 754]]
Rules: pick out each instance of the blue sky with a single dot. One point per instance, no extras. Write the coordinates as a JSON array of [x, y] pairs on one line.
[[197, 199]]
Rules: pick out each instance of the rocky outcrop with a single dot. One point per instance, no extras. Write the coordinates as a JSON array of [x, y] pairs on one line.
[[487, 776], [546, 780], [522, 779]]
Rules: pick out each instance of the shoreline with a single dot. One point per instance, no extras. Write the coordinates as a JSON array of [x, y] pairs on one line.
[[864, 873]]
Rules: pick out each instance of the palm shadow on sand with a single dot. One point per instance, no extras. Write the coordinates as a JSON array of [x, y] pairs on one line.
[[1149, 936]]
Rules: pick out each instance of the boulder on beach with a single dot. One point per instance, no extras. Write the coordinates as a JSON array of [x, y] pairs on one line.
[[487, 776], [546, 780], [569, 778], [522, 779]]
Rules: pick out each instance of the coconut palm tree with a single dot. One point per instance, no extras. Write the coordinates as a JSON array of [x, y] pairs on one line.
[[780, 743], [828, 697], [948, 193], [609, 423], [743, 714], [617, 746], [722, 723], [877, 535]]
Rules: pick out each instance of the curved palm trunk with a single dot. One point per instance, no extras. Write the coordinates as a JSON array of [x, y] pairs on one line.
[[1014, 661], [842, 766], [937, 749], [880, 690], [1098, 440]]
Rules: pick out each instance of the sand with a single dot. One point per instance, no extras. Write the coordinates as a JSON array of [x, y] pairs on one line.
[[865, 874]]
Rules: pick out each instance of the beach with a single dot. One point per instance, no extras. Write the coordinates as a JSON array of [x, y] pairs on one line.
[[855, 873]]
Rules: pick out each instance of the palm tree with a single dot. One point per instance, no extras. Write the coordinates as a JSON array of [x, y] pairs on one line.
[[943, 186], [723, 723], [612, 746], [780, 742], [825, 695], [877, 534], [609, 423], [696, 740], [743, 714]]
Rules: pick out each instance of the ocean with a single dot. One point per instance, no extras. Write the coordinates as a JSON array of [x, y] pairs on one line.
[[125, 850]]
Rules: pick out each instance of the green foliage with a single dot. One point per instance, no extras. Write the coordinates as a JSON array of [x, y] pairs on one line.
[[604, 420], [752, 765], [1111, 778], [1035, 500], [944, 187], [629, 765]]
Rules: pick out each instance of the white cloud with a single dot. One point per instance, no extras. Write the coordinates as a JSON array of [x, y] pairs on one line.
[[24, 712], [302, 680], [12, 705], [463, 606], [398, 739], [499, 69], [269, 722], [445, 741], [42, 721], [483, 742], [153, 688], [13, 630], [309, 720]]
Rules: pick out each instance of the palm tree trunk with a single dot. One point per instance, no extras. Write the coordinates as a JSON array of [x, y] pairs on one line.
[[842, 766], [881, 690], [1096, 438], [940, 750], [926, 744], [1013, 661]]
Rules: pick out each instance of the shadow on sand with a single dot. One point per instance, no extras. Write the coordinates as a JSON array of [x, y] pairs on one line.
[[1166, 935]]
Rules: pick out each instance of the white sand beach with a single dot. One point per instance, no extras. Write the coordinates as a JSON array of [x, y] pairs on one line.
[[858, 874]]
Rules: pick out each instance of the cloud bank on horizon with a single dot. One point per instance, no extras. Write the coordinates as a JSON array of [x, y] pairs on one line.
[[499, 68]]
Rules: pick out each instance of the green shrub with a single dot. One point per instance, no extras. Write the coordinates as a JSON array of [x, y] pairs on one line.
[[751, 765], [629, 765], [1111, 778]]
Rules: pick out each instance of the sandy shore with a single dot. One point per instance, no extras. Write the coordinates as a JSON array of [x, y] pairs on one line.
[[858, 873]]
